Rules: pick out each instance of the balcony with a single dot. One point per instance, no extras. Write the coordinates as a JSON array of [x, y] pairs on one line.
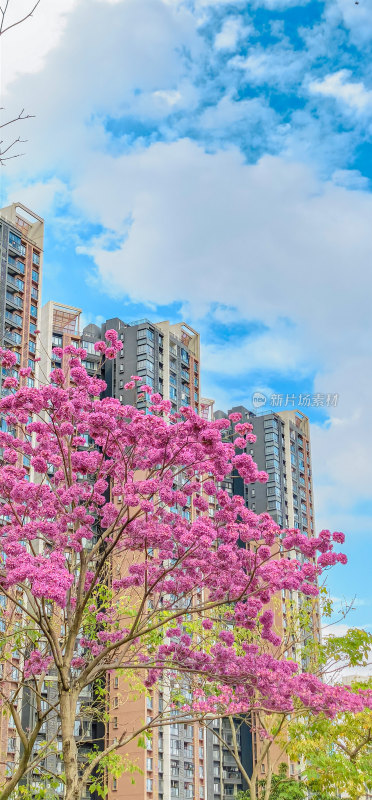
[[13, 301], [15, 245], [15, 266], [16, 284], [13, 338], [13, 319]]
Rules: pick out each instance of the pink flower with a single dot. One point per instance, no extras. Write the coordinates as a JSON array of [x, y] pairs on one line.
[[111, 335], [110, 352], [10, 383], [7, 358]]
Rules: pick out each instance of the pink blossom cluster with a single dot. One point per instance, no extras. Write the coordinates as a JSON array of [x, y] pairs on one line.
[[36, 664], [109, 485]]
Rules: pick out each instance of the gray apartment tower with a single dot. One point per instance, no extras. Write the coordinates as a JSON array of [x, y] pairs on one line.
[[282, 449], [165, 356]]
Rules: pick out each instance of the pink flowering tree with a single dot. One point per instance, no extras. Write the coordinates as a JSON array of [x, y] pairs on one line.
[[101, 571], [276, 734]]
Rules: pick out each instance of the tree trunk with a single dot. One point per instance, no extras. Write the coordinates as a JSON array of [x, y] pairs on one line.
[[68, 701]]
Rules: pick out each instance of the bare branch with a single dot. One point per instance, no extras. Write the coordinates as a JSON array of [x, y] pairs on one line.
[[18, 22], [21, 116]]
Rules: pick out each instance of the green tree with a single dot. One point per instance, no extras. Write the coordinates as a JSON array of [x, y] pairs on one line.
[[337, 752], [282, 787]]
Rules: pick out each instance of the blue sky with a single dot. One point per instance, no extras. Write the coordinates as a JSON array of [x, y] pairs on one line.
[[211, 161]]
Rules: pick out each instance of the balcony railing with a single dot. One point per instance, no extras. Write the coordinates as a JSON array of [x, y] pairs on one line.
[[16, 266], [17, 246], [13, 300], [13, 319], [15, 338]]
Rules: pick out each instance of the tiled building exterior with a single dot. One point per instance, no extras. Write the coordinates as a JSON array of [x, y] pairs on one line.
[[165, 356], [283, 450], [59, 327], [21, 256], [184, 761], [168, 358], [21, 243]]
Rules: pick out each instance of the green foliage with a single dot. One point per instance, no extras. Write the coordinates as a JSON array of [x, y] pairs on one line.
[[354, 646], [337, 752], [115, 765], [283, 787]]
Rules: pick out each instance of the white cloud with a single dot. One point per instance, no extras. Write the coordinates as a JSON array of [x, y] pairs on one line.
[[274, 351], [110, 56], [279, 65], [232, 30], [25, 48], [351, 93], [269, 239], [230, 115], [350, 178], [357, 18]]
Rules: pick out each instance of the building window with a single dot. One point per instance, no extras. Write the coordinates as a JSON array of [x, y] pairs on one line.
[[32, 327], [274, 504], [33, 311], [114, 784], [16, 242], [270, 423], [116, 702], [115, 722], [148, 784], [35, 258], [35, 276], [34, 292], [149, 764], [145, 349], [145, 365]]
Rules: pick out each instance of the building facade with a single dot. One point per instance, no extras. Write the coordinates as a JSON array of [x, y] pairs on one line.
[[283, 450], [21, 258], [165, 356], [59, 327]]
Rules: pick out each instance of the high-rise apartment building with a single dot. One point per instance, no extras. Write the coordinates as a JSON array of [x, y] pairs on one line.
[[21, 242], [165, 356], [21, 255], [59, 327], [282, 449]]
